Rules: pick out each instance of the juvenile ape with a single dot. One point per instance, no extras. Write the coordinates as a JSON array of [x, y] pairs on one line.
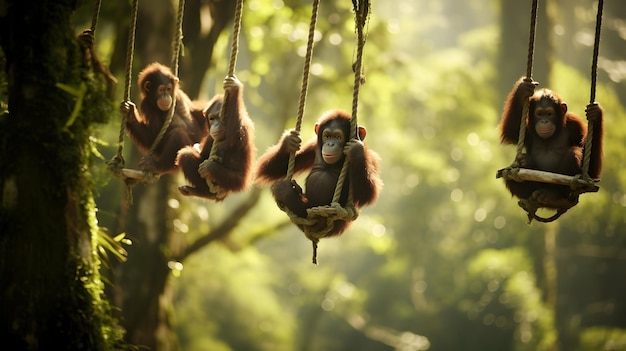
[[231, 167], [554, 141], [159, 87], [322, 156]]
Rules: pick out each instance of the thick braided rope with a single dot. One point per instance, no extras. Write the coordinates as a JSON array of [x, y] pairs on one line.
[[234, 51], [176, 46], [361, 15], [594, 74], [96, 15], [116, 164], [305, 83], [529, 73], [130, 50], [130, 47], [177, 43]]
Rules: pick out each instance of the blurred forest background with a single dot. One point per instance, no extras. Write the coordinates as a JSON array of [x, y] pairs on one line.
[[445, 260]]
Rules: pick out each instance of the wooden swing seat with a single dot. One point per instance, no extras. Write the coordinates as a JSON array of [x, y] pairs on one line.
[[577, 182], [142, 176]]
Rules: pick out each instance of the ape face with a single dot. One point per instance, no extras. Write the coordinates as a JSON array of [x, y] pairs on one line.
[[216, 127], [332, 139], [547, 116], [164, 96], [160, 88], [544, 119]]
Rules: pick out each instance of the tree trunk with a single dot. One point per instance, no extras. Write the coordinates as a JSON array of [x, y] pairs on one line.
[[52, 294]]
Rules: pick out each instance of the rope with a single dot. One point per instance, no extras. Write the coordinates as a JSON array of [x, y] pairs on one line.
[[230, 81], [96, 15], [177, 43], [321, 220], [594, 74], [176, 46], [234, 49], [305, 83], [361, 15], [529, 73], [531, 206], [116, 164]]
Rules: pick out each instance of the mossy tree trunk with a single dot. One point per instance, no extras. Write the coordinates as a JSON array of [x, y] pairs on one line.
[[52, 295]]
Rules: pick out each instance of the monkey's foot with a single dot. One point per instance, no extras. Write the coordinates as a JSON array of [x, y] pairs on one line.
[[553, 199]]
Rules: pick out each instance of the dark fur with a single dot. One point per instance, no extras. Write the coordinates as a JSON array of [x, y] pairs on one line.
[[188, 125], [322, 179], [561, 153], [234, 172]]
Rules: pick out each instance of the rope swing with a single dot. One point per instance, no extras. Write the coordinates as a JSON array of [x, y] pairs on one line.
[[320, 220], [117, 163], [230, 81], [578, 184]]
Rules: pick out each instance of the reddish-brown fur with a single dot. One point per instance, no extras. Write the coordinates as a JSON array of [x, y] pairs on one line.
[[561, 153], [321, 181], [236, 150], [188, 125]]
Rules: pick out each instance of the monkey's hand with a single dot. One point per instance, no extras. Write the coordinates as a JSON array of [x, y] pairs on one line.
[[215, 158], [594, 112], [291, 142], [353, 148], [523, 160], [87, 39], [526, 89], [128, 109], [232, 82]]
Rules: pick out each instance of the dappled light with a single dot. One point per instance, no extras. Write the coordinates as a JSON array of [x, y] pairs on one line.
[[442, 256]]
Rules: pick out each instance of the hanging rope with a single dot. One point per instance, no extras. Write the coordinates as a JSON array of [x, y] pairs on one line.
[[305, 83], [361, 12], [594, 75], [320, 220], [176, 48], [528, 78], [96, 15], [116, 164], [229, 82]]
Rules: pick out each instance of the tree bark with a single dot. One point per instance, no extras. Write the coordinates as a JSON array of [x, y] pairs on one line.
[[50, 287]]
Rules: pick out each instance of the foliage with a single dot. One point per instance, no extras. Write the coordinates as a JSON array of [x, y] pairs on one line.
[[235, 301], [599, 338]]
